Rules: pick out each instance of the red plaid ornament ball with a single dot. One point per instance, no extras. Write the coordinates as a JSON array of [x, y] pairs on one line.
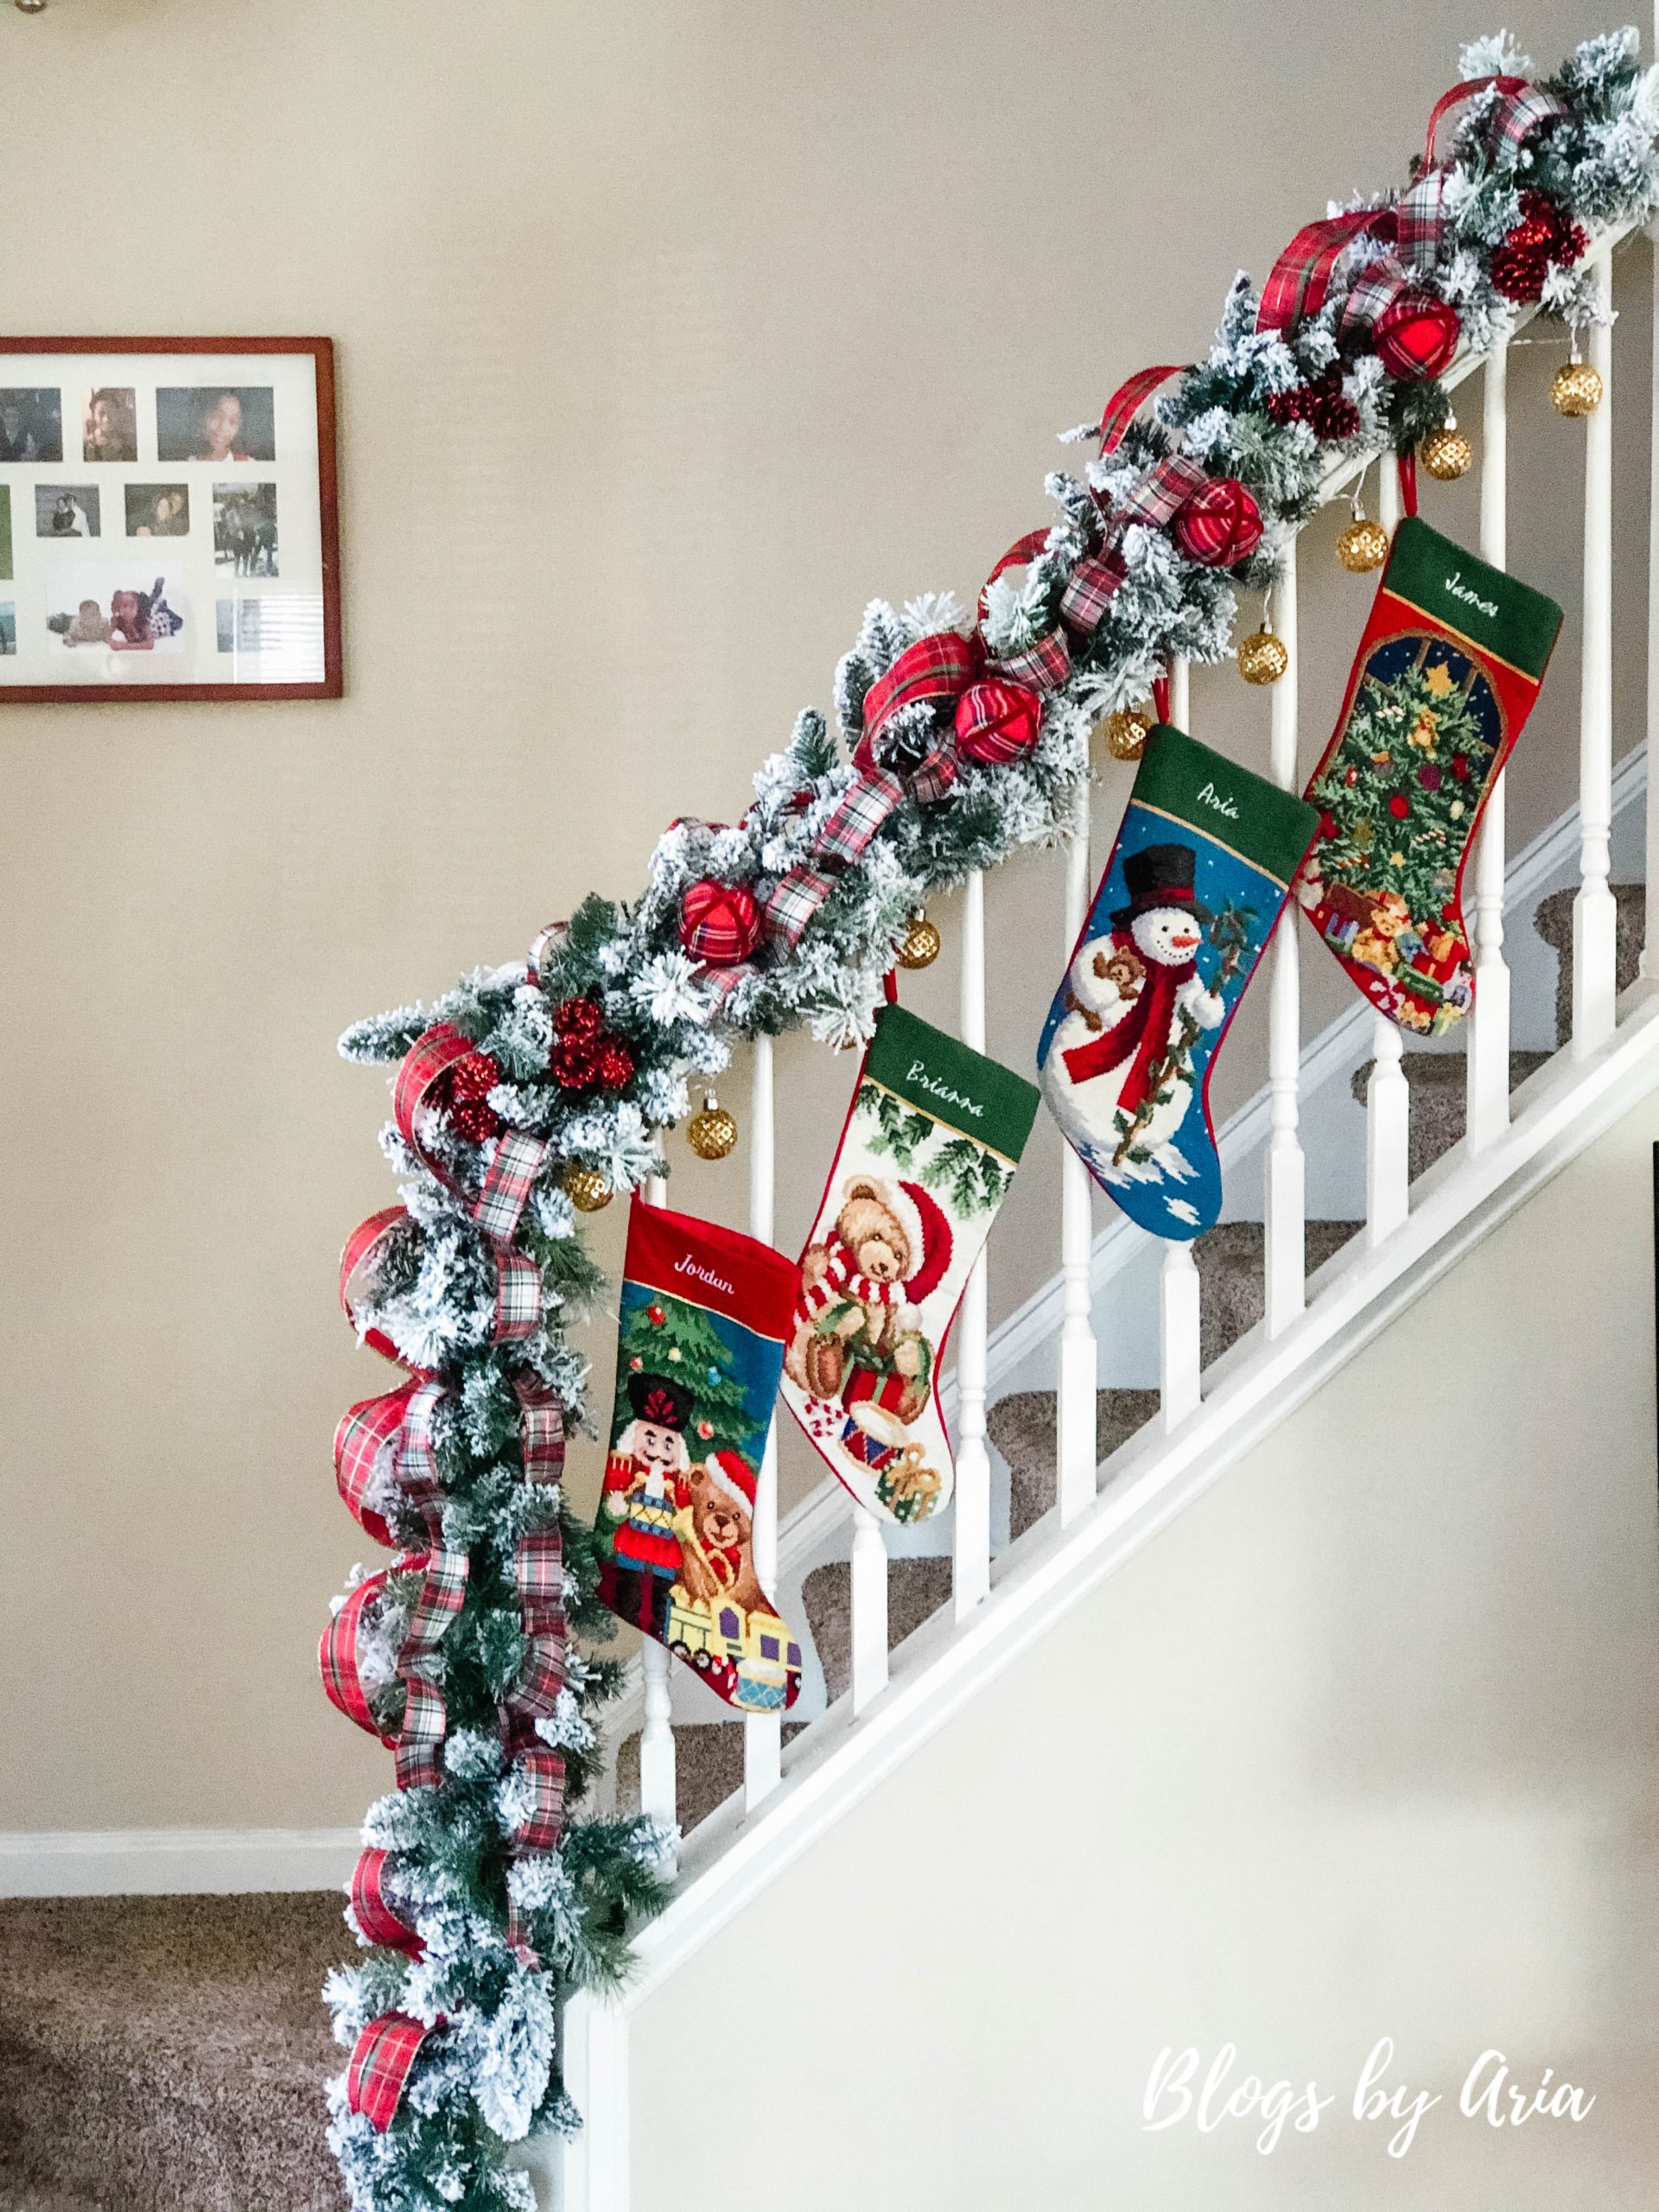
[[719, 924], [1220, 525], [1416, 336], [996, 723], [471, 1082]]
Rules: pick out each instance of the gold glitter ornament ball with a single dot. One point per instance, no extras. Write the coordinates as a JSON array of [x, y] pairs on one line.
[[920, 945], [1263, 658], [1446, 454], [1576, 390], [1126, 731], [713, 1133], [586, 1189], [1363, 545]]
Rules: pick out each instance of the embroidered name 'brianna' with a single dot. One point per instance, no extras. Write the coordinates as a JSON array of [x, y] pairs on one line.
[[935, 1088], [688, 1266], [1210, 797], [1468, 595]]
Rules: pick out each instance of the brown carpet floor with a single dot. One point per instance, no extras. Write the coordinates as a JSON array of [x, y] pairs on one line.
[[166, 2054]]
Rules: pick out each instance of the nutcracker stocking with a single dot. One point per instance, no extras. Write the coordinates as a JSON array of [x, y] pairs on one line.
[[926, 1155], [703, 1315], [1448, 670], [1201, 869]]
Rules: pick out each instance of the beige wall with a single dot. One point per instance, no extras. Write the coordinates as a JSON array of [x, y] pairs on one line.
[[1365, 1744], [667, 335]]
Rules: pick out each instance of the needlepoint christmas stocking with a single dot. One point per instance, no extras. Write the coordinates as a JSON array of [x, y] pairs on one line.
[[703, 1316], [1198, 876], [1448, 668], [926, 1155]]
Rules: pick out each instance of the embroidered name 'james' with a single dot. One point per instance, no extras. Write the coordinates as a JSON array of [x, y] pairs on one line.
[[1468, 595], [932, 1085], [1210, 797], [688, 1266]]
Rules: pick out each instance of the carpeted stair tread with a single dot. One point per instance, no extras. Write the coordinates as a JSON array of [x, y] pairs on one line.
[[168, 2054], [708, 1767], [1022, 1429], [1232, 1293], [916, 1590], [1440, 1099], [1553, 919]]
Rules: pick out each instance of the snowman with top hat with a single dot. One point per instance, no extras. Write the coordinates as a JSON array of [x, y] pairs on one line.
[[1118, 1075]]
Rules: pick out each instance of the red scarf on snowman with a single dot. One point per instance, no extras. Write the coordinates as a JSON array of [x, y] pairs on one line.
[[1144, 1030]]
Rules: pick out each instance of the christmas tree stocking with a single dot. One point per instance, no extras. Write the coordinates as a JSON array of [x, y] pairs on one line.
[[1451, 662], [926, 1155], [1200, 872], [705, 1313]]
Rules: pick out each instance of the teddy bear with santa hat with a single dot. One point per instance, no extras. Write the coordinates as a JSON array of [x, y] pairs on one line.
[[1116, 1076]]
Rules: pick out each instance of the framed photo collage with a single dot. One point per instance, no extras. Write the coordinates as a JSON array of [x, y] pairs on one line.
[[167, 519]]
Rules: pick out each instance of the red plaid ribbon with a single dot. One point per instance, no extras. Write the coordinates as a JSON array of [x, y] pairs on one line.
[[512, 1173], [361, 1250], [540, 1429], [1129, 399], [1517, 114], [382, 2059], [342, 1682], [1301, 278], [1089, 591], [378, 1918], [368, 1430]]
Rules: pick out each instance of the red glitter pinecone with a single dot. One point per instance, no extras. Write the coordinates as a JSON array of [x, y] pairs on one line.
[[471, 1081]]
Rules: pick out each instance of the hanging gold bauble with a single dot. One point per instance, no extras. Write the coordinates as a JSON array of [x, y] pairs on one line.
[[1576, 389], [920, 947], [1446, 454], [1263, 658], [1363, 545], [586, 1189], [711, 1134], [1126, 731]]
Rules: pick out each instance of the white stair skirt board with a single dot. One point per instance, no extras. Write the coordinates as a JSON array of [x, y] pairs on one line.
[[168, 1862]]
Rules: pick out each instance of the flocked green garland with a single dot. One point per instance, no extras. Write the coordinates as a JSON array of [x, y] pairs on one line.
[[489, 2074]]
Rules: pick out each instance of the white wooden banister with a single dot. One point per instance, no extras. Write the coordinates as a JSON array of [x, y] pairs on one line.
[[1078, 1355], [1650, 947], [869, 1608], [1285, 1233], [1179, 1338], [763, 1732], [1595, 913], [1489, 1022], [971, 1578]]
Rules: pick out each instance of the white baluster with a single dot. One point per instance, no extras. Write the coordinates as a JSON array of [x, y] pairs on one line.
[[1286, 1205], [1595, 912], [1387, 1134], [658, 1795], [1179, 1330], [1650, 949], [1079, 1356], [1388, 494], [870, 1604], [1181, 693], [1489, 1022], [763, 1732], [971, 1578], [589, 2172]]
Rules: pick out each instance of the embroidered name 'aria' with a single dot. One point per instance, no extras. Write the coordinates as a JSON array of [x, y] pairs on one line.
[[1468, 595], [929, 1082], [1210, 797], [688, 1266]]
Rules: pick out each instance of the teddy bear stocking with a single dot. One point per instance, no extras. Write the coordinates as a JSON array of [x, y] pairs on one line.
[[1449, 665], [926, 1155], [703, 1315], [1200, 872]]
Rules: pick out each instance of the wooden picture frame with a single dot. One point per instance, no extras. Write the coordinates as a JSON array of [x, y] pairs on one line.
[[223, 447]]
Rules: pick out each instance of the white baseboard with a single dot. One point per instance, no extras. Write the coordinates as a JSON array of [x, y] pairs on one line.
[[161, 1862]]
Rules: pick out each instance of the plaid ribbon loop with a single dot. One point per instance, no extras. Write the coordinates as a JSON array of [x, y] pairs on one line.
[[499, 1203], [378, 1918], [420, 1742], [382, 2060]]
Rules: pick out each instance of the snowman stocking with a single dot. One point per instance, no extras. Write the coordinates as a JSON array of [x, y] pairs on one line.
[[927, 1155], [703, 1314], [1198, 875], [1451, 661]]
